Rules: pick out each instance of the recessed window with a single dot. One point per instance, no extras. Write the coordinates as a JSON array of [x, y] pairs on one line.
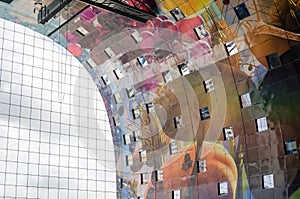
[[201, 32], [204, 113], [129, 160], [108, 51], [105, 79], [117, 98], [130, 92], [143, 61], [261, 124], [173, 148], [290, 147], [241, 11], [209, 85], [91, 63], [150, 108], [246, 100], [136, 36], [144, 178], [222, 188], [123, 182], [143, 156], [81, 30], [167, 76], [118, 73], [7, 1], [183, 69], [135, 113], [273, 60], [116, 120], [297, 14], [176, 194], [228, 133], [177, 14], [178, 122], [137, 135], [128, 138], [231, 48], [268, 181], [201, 166], [158, 174]]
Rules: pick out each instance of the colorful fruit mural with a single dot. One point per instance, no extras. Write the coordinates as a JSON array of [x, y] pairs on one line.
[[203, 99]]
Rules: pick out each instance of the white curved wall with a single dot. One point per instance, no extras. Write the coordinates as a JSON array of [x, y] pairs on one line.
[[55, 137]]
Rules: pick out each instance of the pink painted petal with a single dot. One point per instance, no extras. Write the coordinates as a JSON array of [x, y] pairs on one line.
[[70, 37], [88, 15], [147, 44], [75, 49]]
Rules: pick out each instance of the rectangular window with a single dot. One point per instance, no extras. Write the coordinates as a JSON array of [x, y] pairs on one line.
[[177, 14], [176, 194], [116, 121], [241, 11], [261, 124], [167, 76], [222, 188], [228, 133], [108, 51], [209, 85], [178, 122], [7, 1], [81, 30], [143, 61], [297, 14], [135, 113], [91, 63], [118, 98], [128, 138], [290, 147], [144, 178], [183, 69], [123, 182], [130, 92], [105, 79], [231, 48], [118, 73], [268, 181], [137, 135], [150, 108], [201, 166], [204, 113], [136, 36], [273, 60], [173, 148], [245, 100], [129, 160], [143, 156], [158, 175], [201, 32]]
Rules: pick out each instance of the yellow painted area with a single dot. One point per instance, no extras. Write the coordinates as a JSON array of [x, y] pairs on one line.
[[188, 7]]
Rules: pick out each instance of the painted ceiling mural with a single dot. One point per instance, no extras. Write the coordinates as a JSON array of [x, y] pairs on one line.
[[202, 99]]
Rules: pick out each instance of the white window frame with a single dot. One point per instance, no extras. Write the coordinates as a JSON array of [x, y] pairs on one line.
[[245, 100], [261, 124], [209, 85], [222, 188], [231, 48], [228, 133], [202, 166], [268, 181]]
